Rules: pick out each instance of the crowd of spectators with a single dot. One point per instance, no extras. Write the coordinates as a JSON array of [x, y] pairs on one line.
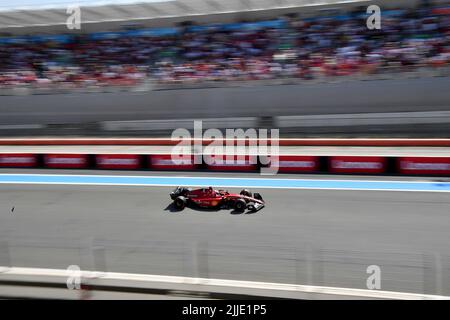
[[300, 48]]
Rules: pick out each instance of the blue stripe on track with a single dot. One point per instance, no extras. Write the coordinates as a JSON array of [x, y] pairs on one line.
[[225, 182]]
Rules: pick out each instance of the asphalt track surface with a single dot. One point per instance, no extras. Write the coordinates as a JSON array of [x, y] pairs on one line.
[[401, 95], [317, 237]]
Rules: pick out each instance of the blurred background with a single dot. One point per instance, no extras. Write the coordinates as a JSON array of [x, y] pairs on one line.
[[245, 58]]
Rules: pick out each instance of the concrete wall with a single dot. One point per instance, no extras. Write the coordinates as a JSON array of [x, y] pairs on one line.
[[425, 94]]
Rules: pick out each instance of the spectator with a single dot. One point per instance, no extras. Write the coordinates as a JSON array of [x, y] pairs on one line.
[[301, 48]]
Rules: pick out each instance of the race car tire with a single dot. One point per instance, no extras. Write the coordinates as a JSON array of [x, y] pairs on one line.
[[257, 196], [246, 193], [240, 205], [180, 203], [251, 207]]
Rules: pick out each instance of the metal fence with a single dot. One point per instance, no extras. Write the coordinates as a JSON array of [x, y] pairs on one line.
[[414, 272], [386, 73]]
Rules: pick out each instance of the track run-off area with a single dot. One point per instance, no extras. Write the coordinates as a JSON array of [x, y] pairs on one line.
[[315, 230]]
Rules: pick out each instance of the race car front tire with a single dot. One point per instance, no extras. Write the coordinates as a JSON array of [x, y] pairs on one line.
[[251, 207], [240, 205]]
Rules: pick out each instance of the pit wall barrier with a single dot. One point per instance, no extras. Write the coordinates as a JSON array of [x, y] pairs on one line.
[[430, 166], [318, 142]]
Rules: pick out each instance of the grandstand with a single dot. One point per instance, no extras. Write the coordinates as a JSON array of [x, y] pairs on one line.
[[282, 39]]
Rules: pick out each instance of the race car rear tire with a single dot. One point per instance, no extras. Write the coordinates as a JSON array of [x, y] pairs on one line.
[[240, 205], [180, 203], [246, 193]]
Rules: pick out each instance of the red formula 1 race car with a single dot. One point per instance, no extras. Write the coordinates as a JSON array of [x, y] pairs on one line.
[[216, 199]]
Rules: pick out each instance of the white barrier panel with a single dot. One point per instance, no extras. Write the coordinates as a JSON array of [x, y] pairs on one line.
[[21, 126], [363, 119], [263, 289], [154, 125], [328, 120]]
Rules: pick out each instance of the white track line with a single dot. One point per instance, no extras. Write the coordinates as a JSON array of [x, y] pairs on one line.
[[214, 185], [220, 178]]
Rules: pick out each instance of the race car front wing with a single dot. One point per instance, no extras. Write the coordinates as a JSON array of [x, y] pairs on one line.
[[255, 206]]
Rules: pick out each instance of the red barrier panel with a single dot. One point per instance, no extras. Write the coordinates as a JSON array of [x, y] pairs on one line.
[[165, 162], [19, 160], [118, 161], [423, 165], [298, 164], [66, 161], [234, 163], [350, 164]]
